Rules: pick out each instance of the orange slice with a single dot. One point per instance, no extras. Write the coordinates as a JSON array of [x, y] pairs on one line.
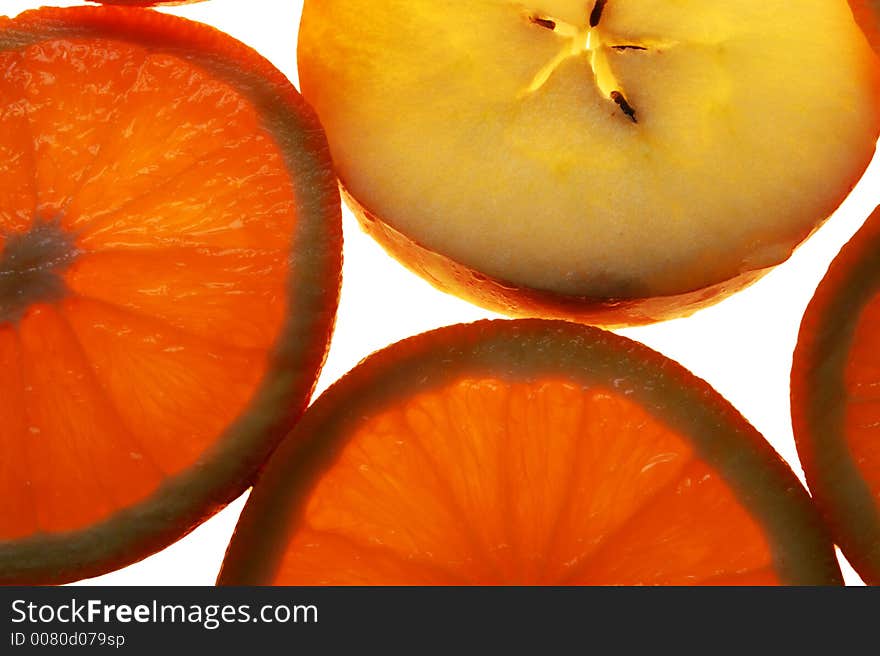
[[170, 248], [526, 452], [835, 399]]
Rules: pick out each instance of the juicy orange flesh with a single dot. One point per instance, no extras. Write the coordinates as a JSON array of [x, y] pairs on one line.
[[181, 212], [862, 383], [493, 482]]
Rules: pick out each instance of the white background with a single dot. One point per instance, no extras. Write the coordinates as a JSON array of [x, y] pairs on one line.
[[742, 346]]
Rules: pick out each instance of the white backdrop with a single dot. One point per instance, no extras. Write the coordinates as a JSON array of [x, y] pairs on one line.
[[742, 346]]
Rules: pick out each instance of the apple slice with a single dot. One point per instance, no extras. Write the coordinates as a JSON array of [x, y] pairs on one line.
[[617, 162]]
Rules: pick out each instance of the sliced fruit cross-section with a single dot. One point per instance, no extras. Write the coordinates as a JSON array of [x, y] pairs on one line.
[[835, 398], [617, 162], [526, 452], [169, 269]]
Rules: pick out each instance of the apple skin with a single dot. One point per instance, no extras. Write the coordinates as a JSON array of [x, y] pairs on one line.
[[867, 14], [458, 279]]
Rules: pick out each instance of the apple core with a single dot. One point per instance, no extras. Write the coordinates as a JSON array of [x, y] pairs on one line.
[[593, 42]]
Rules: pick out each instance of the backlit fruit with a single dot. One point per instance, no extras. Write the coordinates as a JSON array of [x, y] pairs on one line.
[[867, 13], [615, 162], [169, 269], [526, 452], [835, 399]]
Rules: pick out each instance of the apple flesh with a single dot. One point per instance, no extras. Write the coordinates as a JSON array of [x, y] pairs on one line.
[[615, 162]]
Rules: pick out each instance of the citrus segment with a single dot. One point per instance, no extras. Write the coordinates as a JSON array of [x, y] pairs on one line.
[[72, 94], [18, 518], [169, 270], [176, 115], [525, 452], [165, 383], [658, 543], [232, 296], [18, 191], [199, 206], [78, 449], [836, 399]]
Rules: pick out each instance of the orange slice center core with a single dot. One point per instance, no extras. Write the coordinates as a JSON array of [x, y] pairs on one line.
[[31, 264], [595, 42]]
